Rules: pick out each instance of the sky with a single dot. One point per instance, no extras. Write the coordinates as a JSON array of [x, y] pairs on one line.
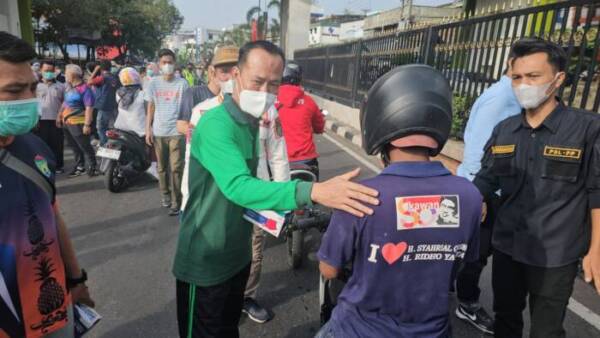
[[218, 14]]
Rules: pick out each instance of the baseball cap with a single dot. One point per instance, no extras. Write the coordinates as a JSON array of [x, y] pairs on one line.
[[226, 55]]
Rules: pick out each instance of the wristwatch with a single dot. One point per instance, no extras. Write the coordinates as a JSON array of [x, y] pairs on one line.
[[87, 125], [73, 282]]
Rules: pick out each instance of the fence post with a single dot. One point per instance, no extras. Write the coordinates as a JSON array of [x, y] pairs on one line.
[[428, 50], [358, 53]]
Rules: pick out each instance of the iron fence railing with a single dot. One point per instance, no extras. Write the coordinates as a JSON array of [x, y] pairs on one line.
[[471, 53]]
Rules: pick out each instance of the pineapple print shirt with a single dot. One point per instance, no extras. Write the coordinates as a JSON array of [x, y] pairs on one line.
[[33, 294]]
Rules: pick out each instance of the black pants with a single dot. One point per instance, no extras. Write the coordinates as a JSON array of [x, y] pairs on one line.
[[215, 310], [54, 138], [548, 289], [467, 281], [80, 143]]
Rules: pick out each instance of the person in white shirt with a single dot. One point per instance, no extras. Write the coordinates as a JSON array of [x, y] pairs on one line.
[[130, 103]]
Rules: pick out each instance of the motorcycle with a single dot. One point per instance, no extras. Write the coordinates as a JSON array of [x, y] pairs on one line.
[[123, 159], [299, 221]]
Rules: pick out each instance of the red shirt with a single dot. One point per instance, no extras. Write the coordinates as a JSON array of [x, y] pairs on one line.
[[300, 119]]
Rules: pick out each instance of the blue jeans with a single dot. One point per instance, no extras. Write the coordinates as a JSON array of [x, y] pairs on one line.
[[103, 122]]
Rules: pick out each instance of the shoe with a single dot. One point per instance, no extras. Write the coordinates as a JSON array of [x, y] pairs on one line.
[[165, 202], [77, 171], [174, 212], [255, 312], [59, 171], [92, 171], [476, 316], [95, 143]]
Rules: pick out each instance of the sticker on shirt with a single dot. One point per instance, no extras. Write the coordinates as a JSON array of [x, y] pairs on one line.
[[562, 152], [434, 211], [42, 165]]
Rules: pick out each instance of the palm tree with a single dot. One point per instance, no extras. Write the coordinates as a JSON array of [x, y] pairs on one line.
[[262, 20]]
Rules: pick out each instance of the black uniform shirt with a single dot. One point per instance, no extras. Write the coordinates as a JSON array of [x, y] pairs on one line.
[[549, 179]]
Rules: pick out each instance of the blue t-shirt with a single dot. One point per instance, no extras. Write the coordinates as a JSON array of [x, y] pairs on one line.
[[404, 255]]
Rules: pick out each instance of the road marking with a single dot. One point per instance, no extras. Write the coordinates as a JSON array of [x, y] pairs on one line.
[[576, 307], [357, 157], [584, 313]]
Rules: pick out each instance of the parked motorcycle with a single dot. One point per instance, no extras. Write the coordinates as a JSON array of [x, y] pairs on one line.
[[124, 158]]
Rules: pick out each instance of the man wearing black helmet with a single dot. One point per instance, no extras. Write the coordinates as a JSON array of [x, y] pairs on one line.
[[403, 256]]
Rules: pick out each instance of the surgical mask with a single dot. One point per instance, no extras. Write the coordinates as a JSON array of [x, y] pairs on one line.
[[49, 75], [167, 69], [18, 117], [226, 86], [114, 70], [532, 96], [150, 72], [256, 103]]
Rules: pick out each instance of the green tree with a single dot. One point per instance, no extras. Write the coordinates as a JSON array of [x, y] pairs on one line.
[[262, 18]]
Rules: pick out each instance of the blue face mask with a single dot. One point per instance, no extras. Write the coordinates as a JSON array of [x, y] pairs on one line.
[[150, 72], [49, 75], [18, 117]]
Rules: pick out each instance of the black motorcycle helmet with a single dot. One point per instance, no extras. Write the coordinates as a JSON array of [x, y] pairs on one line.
[[408, 100], [292, 74]]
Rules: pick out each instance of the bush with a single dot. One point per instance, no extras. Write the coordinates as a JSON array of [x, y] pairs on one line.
[[461, 106]]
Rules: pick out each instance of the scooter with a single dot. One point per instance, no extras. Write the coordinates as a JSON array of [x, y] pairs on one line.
[[124, 158]]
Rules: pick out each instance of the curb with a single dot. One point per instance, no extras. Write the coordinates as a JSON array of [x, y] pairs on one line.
[[344, 131]]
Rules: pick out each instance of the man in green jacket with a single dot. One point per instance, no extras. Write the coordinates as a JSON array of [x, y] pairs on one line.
[[212, 261]]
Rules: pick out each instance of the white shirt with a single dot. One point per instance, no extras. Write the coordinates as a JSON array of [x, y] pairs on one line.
[[271, 154], [132, 118]]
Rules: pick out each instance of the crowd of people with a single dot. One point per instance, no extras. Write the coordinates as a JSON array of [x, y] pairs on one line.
[[527, 192]]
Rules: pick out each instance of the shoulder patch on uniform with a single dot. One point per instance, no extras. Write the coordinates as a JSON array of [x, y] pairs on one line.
[[572, 153], [503, 149], [432, 211], [42, 165]]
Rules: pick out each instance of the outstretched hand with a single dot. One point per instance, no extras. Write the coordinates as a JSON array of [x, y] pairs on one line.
[[343, 194]]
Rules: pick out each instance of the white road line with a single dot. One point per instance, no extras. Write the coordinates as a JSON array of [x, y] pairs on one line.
[[350, 152], [576, 307], [584, 313]]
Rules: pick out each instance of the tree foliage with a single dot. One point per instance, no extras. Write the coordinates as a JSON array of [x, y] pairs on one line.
[[135, 26]]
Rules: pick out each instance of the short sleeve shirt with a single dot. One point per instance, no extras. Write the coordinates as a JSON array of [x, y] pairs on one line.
[[77, 99], [404, 255], [51, 96], [191, 97], [167, 98], [32, 276]]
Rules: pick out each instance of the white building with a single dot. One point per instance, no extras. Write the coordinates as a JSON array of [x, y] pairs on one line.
[[180, 39], [327, 30], [9, 17], [323, 35], [351, 30]]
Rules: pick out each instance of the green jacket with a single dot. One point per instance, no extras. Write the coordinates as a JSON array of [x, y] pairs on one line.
[[214, 239]]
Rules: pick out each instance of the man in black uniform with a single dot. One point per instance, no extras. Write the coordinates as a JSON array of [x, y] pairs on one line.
[[546, 163]]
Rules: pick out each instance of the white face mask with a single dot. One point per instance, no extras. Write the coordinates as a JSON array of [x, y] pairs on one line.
[[530, 96], [167, 69], [226, 86], [256, 103]]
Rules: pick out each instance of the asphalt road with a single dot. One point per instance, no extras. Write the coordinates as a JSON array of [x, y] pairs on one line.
[[126, 243]]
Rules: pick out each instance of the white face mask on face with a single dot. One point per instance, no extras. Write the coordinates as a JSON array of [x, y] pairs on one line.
[[167, 69], [531, 96], [226, 86], [256, 103]]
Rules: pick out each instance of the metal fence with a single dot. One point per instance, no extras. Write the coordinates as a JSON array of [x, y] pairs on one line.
[[471, 53]]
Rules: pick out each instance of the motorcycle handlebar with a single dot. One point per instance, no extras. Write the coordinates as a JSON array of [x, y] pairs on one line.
[[318, 221]]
